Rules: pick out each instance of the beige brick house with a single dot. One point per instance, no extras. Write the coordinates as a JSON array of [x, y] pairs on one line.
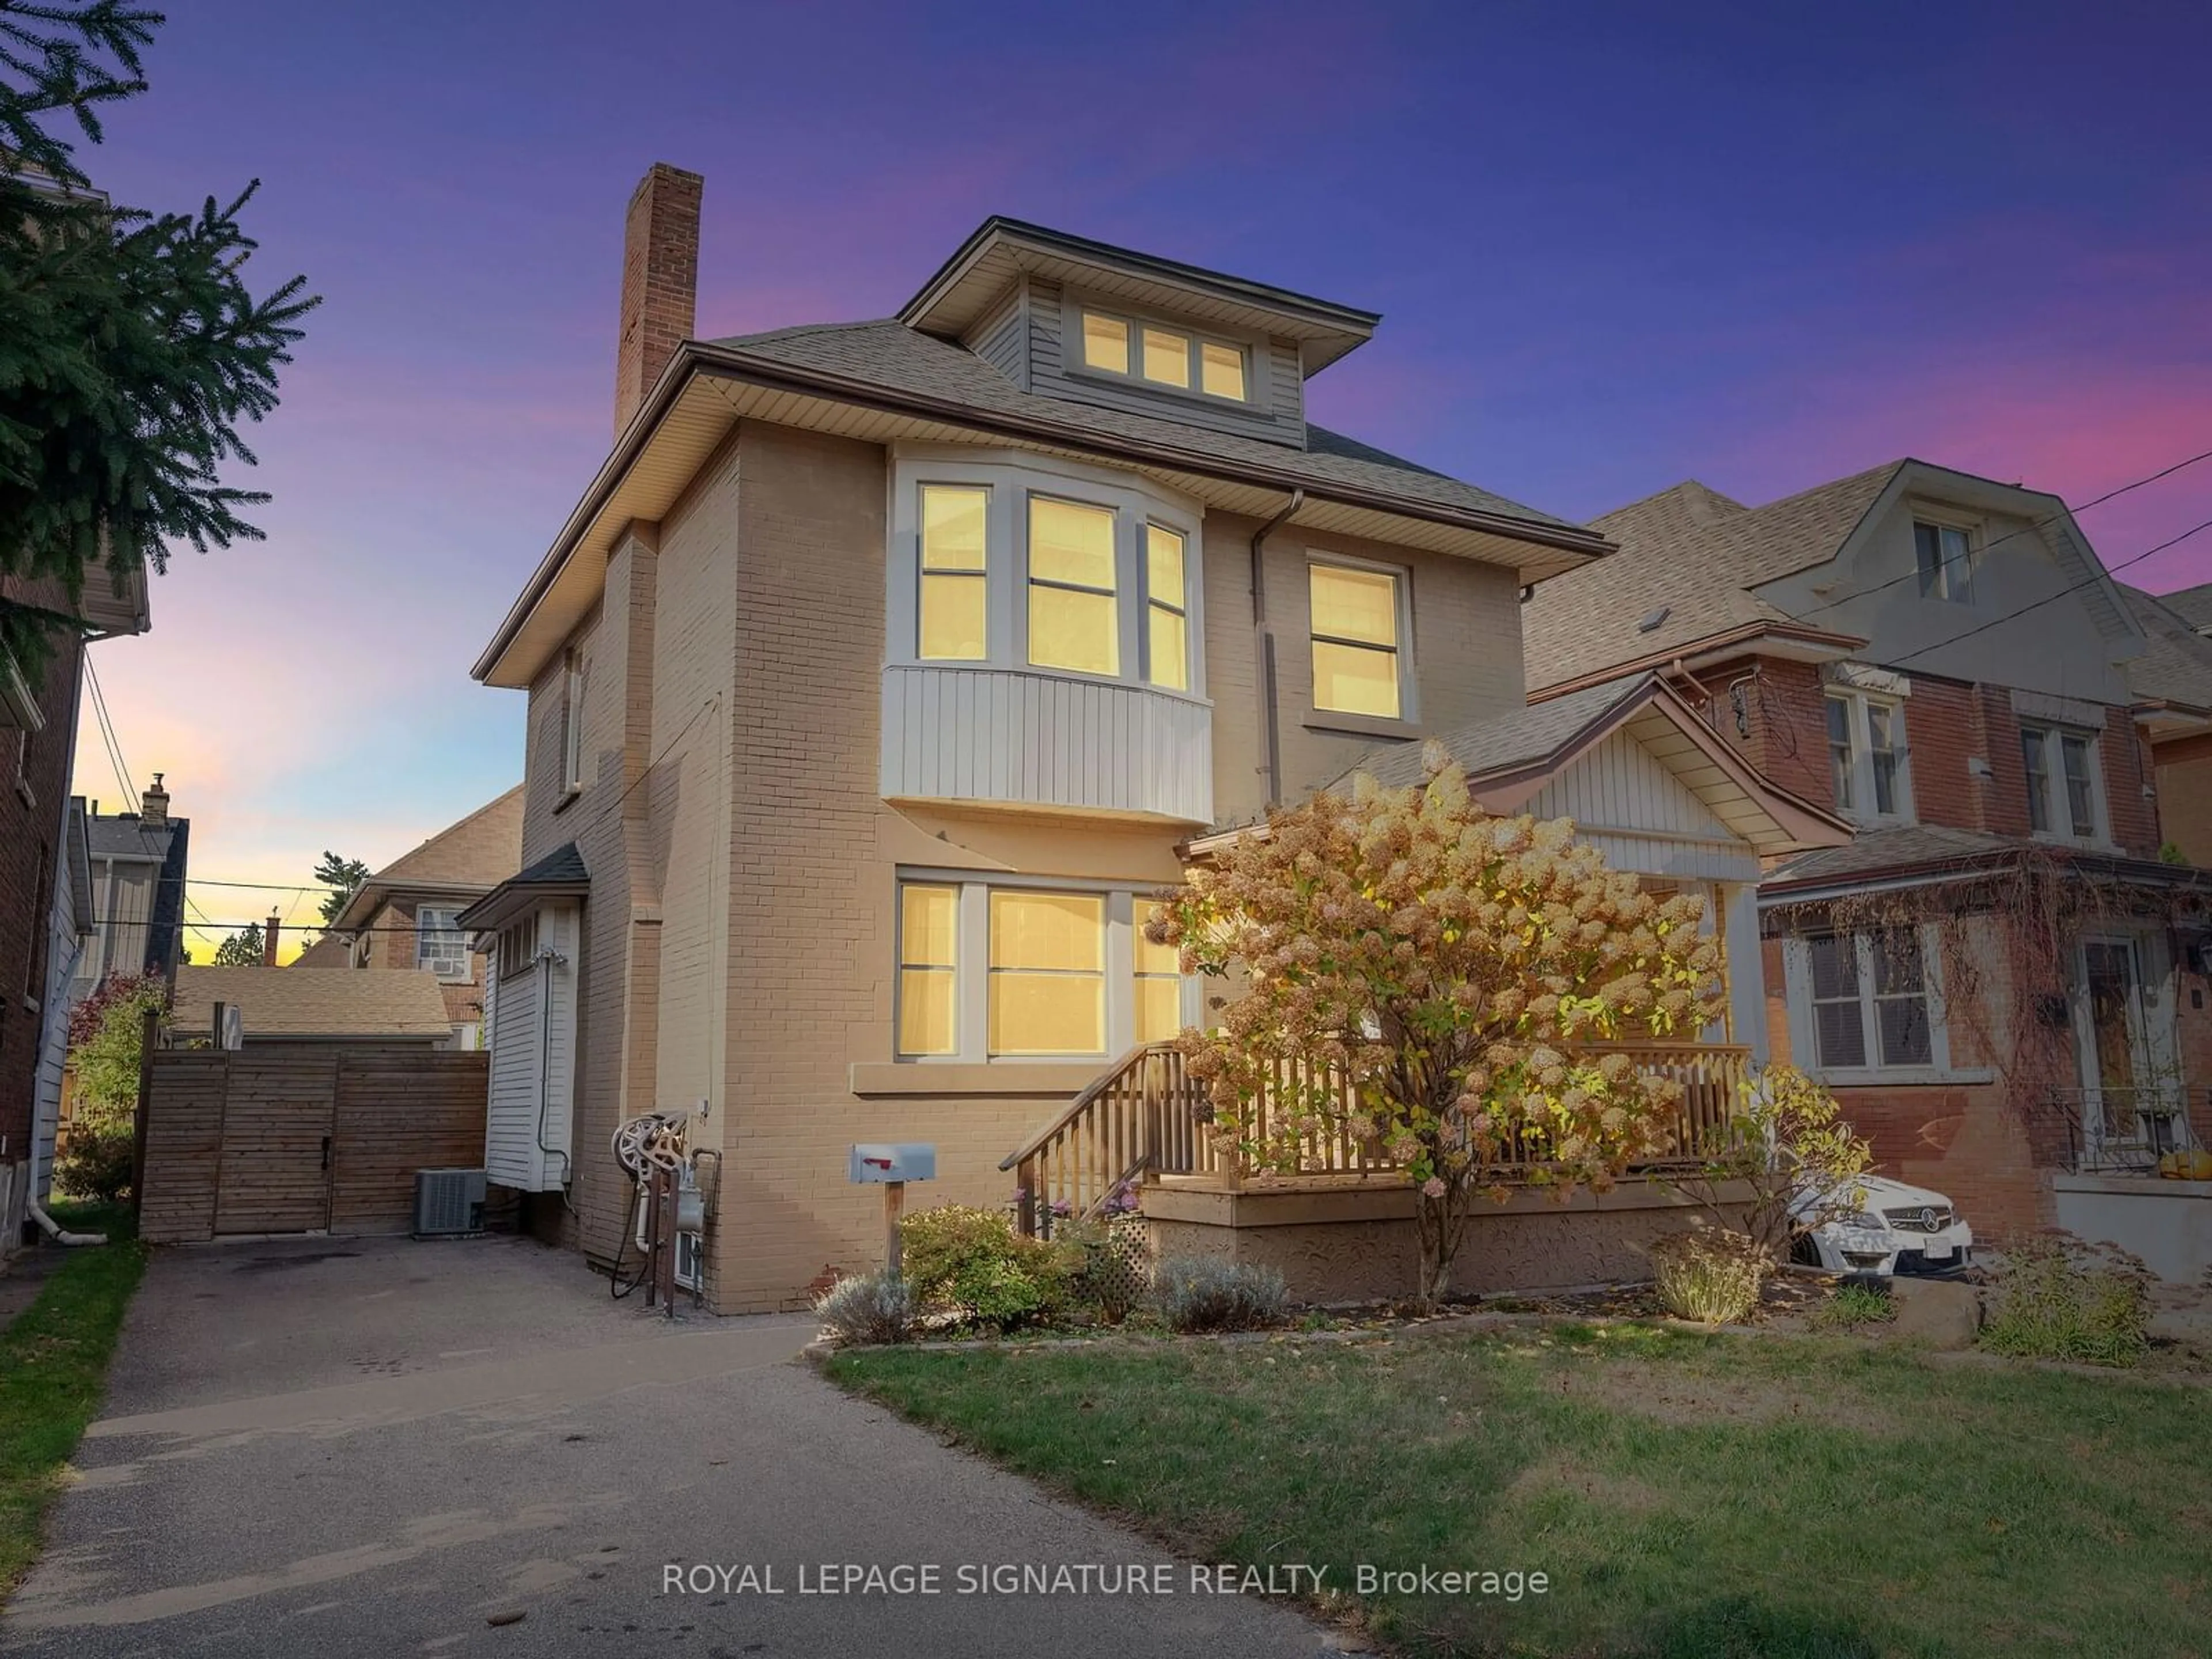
[[405, 916], [886, 669]]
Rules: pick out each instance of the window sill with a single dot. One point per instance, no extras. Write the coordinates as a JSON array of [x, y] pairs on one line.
[[1329, 722], [569, 797], [1061, 1078], [1030, 671], [1903, 1077]]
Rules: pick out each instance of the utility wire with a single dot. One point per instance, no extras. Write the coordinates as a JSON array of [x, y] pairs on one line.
[[2051, 598], [1914, 574], [107, 732]]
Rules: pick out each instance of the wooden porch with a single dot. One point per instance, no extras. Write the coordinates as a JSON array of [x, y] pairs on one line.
[[1146, 1123]]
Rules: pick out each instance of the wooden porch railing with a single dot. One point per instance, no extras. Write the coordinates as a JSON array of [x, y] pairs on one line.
[[1145, 1116]]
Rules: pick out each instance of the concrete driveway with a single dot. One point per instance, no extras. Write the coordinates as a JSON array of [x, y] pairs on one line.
[[340, 1447]]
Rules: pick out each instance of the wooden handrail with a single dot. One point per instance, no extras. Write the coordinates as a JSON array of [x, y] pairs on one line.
[[1076, 1108]]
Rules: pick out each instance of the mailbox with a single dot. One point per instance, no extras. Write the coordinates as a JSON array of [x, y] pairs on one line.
[[900, 1161]]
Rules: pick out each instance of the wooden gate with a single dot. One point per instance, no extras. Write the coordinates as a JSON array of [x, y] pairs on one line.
[[301, 1137]]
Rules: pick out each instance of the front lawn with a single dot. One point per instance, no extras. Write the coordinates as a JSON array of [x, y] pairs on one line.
[[1691, 1496], [53, 1372]]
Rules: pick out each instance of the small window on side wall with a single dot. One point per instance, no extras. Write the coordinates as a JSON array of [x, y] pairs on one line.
[[572, 724], [1357, 661], [1945, 555]]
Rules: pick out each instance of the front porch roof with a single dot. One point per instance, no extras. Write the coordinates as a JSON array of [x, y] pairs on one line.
[[1927, 854], [1510, 759]]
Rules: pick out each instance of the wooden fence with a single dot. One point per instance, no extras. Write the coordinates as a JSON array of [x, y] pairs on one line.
[[303, 1137]]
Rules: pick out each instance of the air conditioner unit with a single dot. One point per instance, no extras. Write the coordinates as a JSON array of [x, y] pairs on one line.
[[448, 1203]]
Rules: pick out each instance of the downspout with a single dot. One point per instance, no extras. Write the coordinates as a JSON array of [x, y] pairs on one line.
[[1271, 741], [60, 1235]]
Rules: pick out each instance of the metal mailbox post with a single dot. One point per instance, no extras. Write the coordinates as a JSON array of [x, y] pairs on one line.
[[891, 1164]]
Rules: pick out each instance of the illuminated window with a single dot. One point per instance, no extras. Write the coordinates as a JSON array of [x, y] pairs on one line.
[[1159, 983], [1167, 621], [929, 927], [954, 575], [1075, 618], [1105, 342], [1357, 667], [1165, 356], [1047, 980]]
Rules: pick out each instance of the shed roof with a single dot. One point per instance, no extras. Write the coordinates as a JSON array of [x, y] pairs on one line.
[[362, 1003]]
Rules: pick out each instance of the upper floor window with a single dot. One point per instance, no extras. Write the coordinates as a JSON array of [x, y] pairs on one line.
[[439, 945], [1044, 569], [2062, 797], [1164, 356], [572, 723], [1867, 755], [1358, 623], [1945, 553]]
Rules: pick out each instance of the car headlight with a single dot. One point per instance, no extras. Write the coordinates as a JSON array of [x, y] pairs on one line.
[[1863, 1221]]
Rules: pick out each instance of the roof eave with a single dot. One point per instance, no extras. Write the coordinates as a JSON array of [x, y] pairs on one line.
[[1789, 639], [699, 359]]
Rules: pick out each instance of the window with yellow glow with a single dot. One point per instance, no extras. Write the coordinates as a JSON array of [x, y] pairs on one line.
[[1159, 983], [1221, 370], [955, 576], [1167, 357], [929, 927], [1167, 621], [1048, 989], [1105, 342], [1356, 660], [1074, 615]]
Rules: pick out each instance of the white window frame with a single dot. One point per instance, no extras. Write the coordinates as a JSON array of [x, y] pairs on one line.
[[1804, 1033], [2057, 803], [1951, 579], [1134, 503], [573, 673], [1075, 360], [1856, 701], [449, 929], [971, 966], [1401, 577]]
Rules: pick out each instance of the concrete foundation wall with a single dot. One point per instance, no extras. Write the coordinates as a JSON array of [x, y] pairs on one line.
[[2167, 1222]]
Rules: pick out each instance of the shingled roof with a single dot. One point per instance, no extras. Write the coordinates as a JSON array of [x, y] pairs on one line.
[[2176, 663], [360, 1003], [887, 353], [1688, 555], [465, 859]]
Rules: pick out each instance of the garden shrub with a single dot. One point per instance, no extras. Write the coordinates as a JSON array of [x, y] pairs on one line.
[[873, 1309], [2058, 1298], [107, 1039], [1201, 1293], [1854, 1305], [972, 1264], [1709, 1275]]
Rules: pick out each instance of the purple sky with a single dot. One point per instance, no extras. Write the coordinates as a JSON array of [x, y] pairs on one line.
[[1614, 246]]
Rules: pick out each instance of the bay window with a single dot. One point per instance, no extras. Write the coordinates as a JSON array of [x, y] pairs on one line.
[[1867, 755], [1053, 567], [1013, 971], [2063, 796], [1358, 624]]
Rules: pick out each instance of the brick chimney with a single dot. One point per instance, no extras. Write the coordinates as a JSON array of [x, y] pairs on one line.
[[155, 802], [269, 941], [660, 281]]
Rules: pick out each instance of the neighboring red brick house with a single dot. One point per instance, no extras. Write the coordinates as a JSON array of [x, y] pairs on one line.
[[38, 739], [405, 915], [1942, 659]]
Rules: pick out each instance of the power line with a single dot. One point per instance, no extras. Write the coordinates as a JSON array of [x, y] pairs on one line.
[[107, 732], [2037, 605], [2036, 525]]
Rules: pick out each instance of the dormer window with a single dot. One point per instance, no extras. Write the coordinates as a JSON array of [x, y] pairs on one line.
[[1164, 356], [1945, 553]]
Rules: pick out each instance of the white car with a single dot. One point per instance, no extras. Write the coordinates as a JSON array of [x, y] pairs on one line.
[[1896, 1229]]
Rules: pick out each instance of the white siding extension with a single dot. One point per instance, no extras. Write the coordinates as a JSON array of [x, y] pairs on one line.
[[999, 734], [528, 1130]]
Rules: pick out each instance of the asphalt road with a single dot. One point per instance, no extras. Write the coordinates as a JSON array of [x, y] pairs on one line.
[[332, 1448]]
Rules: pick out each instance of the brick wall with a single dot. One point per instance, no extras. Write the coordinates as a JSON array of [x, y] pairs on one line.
[[32, 812], [1785, 717], [2127, 770], [2184, 796]]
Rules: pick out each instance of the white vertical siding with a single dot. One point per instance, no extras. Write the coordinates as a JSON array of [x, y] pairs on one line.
[[1043, 740], [528, 1126], [1629, 806]]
